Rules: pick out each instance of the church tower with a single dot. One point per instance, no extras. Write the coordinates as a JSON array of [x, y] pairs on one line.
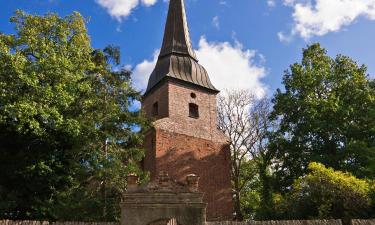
[[181, 100]]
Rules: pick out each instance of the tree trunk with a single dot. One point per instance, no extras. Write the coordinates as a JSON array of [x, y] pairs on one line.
[[105, 183], [266, 193], [237, 207]]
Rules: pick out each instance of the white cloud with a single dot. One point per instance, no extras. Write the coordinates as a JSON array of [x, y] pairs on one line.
[[149, 2], [216, 22], [271, 3], [120, 9], [230, 66], [319, 17], [225, 3], [142, 72], [284, 37]]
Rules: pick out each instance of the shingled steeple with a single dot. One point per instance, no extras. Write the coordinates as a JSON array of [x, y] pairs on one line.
[[177, 59], [176, 35]]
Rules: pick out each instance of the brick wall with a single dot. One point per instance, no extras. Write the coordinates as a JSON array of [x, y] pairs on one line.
[[363, 222], [286, 222], [160, 96], [173, 102], [181, 145], [29, 222], [180, 97], [181, 155], [290, 222]]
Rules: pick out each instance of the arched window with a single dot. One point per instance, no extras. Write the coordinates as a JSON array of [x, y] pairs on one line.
[[193, 110], [155, 109]]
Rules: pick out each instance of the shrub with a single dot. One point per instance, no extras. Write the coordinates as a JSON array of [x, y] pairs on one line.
[[325, 193]]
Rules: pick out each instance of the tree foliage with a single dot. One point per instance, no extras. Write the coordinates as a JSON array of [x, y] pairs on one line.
[[327, 115], [66, 129], [325, 194]]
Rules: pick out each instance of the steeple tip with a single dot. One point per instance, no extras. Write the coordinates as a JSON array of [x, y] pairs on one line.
[[177, 60], [176, 36]]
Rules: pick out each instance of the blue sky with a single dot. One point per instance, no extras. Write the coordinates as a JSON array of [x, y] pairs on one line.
[[242, 43]]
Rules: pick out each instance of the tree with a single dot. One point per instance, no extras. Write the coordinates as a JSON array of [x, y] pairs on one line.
[[245, 120], [327, 115], [66, 125], [325, 194]]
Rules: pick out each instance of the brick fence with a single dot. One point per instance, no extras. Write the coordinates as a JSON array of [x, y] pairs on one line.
[[28, 222], [285, 222], [295, 222], [363, 222]]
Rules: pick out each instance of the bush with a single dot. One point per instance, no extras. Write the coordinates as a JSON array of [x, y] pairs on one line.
[[328, 194]]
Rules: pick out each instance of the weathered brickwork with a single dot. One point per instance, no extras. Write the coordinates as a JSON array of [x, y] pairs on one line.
[[286, 222], [163, 202], [173, 103], [181, 145], [30, 222], [363, 222], [159, 95], [281, 222]]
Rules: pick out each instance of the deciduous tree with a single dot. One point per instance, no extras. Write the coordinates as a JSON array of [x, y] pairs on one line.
[[66, 126], [245, 120], [327, 115]]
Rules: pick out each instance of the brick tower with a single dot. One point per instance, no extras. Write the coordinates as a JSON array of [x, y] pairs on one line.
[[182, 102]]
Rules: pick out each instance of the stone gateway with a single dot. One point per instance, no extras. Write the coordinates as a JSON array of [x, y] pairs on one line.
[[163, 202], [181, 100]]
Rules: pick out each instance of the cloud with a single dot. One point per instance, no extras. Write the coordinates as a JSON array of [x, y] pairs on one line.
[[319, 17], [271, 3], [142, 71], [284, 37], [230, 66], [120, 9], [222, 2], [149, 2], [216, 22]]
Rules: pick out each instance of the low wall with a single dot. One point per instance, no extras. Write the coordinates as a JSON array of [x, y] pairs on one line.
[[285, 222], [282, 222], [27, 222], [363, 222]]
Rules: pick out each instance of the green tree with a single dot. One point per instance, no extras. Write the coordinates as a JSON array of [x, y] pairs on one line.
[[325, 194], [66, 129], [327, 115]]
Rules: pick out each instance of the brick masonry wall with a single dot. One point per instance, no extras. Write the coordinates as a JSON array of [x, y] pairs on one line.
[[290, 222], [181, 155], [363, 222], [181, 145], [179, 99], [29, 222], [285, 222], [160, 96], [173, 100]]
